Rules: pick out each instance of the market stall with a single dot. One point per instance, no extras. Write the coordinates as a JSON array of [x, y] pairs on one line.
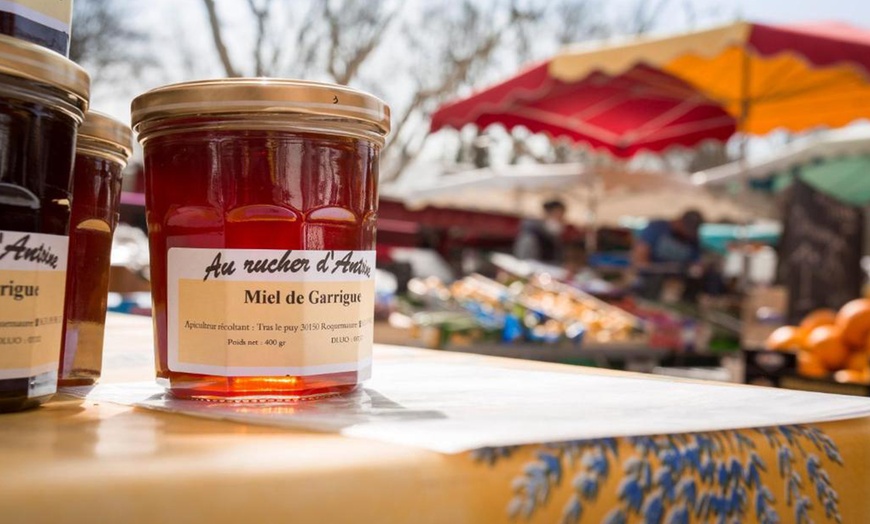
[[594, 197], [539, 312], [537, 318], [822, 185], [651, 93]]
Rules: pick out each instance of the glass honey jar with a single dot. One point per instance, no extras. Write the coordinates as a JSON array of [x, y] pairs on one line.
[[261, 199], [102, 149], [43, 97]]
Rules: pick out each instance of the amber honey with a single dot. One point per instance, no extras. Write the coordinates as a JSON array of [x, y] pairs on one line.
[[261, 213], [102, 150]]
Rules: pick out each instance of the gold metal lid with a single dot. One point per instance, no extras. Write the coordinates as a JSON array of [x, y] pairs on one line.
[[260, 95], [26, 60], [100, 128]]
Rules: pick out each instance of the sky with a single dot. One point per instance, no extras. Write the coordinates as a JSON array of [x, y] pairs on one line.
[[785, 11]]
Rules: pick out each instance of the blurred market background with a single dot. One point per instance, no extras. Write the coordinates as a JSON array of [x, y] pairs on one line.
[[630, 113]]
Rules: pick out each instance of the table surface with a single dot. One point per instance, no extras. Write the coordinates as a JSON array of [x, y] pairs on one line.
[[76, 461]]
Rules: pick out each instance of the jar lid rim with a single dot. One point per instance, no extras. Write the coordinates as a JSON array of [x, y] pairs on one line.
[[102, 127], [30, 61], [260, 95]]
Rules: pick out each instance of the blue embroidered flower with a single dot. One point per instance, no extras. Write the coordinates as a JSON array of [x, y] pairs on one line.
[[708, 477]]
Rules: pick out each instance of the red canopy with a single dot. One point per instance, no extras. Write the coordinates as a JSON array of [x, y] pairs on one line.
[[820, 43], [642, 108], [650, 93]]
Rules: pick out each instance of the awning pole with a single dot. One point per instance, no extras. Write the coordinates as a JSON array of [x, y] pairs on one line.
[[592, 213], [743, 118], [745, 104]]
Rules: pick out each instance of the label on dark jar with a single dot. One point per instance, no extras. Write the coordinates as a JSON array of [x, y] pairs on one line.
[[32, 284], [43, 22], [264, 312]]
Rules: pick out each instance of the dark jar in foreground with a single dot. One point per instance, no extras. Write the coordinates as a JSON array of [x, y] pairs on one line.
[[261, 199], [102, 150], [43, 97]]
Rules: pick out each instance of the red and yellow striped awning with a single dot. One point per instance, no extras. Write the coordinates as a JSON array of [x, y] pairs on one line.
[[651, 93], [792, 77]]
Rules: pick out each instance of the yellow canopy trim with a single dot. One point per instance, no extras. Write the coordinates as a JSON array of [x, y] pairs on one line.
[[576, 62]]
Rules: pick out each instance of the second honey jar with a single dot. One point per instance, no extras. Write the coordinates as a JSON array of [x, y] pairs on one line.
[[102, 150]]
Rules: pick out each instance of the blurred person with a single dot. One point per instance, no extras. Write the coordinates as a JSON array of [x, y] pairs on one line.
[[576, 264], [666, 250], [542, 239]]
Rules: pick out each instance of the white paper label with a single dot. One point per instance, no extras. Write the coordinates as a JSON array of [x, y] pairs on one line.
[[32, 284], [54, 14], [264, 312]]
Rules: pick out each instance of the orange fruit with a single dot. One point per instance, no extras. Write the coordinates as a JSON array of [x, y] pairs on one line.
[[785, 338], [858, 362], [819, 317], [825, 342], [854, 322], [809, 365]]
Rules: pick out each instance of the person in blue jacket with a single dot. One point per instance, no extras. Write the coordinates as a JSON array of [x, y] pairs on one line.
[[668, 249]]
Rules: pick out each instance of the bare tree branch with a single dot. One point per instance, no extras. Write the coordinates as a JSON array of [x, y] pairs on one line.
[[475, 22], [355, 30], [465, 57], [261, 14], [308, 41], [577, 21], [217, 37], [334, 39], [646, 15], [352, 66], [107, 43], [303, 51]]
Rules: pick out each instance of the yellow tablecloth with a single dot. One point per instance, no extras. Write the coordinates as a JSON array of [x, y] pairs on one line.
[[73, 461]]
